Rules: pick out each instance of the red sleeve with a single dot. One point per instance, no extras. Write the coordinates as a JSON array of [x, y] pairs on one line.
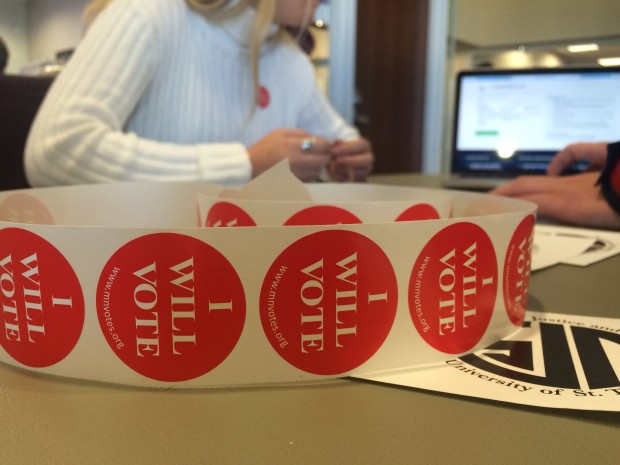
[[610, 177]]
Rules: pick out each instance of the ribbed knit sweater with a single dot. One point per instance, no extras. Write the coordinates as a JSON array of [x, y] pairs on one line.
[[156, 92]]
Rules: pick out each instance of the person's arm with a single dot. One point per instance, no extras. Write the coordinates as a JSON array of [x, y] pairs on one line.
[[575, 199], [78, 135], [352, 156], [568, 199]]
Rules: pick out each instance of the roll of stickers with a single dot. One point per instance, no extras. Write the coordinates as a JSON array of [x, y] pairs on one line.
[[126, 283]]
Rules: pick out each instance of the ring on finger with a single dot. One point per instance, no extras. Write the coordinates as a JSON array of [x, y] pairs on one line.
[[307, 143]]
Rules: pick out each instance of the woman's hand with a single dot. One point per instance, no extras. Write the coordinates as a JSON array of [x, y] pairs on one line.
[[570, 199], [306, 163], [351, 160]]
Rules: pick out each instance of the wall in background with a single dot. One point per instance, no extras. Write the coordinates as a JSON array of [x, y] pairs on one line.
[[531, 33], [35, 30], [54, 25], [14, 32], [488, 23]]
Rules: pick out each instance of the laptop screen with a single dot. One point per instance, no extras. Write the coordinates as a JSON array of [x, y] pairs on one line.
[[511, 122]]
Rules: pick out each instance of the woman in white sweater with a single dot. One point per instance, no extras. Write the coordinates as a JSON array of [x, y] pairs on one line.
[[208, 90]]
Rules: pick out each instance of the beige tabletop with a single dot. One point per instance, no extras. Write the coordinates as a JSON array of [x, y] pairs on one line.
[[47, 420]]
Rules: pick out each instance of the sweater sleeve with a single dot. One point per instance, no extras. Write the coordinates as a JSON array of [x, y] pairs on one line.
[[78, 135], [317, 115]]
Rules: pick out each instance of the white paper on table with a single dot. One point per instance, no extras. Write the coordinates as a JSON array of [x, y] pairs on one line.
[[563, 241], [550, 248]]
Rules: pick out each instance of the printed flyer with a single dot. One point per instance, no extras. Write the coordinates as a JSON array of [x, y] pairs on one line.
[[554, 361]]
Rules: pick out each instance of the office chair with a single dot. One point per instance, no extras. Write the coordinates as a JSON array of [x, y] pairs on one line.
[[20, 98]]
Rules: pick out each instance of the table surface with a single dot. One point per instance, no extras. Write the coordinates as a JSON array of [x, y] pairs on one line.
[[48, 420]]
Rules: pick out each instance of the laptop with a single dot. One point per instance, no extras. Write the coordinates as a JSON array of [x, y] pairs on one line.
[[509, 123]]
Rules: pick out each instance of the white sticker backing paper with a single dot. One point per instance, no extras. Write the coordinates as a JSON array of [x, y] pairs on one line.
[[193, 285]]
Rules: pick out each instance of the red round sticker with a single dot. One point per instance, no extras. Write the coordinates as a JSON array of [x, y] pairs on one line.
[[452, 288], [41, 300], [517, 270], [226, 214], [25, 209], [322, 214], [329, 301], [170, 306], [264, 98], [418, 212]]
